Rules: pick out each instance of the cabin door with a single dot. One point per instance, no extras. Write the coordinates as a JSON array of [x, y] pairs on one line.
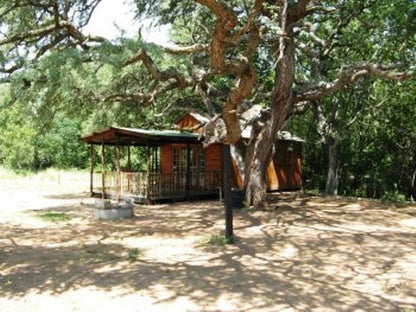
[[192, 156]]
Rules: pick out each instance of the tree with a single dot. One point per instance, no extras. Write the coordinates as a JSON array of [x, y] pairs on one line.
[[375, 140], [291, 37]]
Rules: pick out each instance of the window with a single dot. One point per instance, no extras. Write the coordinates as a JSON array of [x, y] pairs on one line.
[[196, 159]]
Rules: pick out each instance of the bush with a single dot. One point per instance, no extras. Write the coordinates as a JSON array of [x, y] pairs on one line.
[[393, 196]]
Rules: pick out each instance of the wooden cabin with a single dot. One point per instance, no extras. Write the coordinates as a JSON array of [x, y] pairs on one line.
[[284, 172], [176, 164]]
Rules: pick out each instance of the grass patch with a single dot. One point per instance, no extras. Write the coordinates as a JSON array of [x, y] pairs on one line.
[[214, 240], [54, 216], [134, 253]]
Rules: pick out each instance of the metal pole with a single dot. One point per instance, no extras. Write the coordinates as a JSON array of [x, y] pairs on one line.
[[91, 170], [103, 169], [226, 158]]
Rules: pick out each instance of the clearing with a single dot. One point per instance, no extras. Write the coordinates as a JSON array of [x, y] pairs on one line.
[[304, 254]]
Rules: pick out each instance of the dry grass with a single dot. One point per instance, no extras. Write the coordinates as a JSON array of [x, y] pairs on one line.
[[304, 254]]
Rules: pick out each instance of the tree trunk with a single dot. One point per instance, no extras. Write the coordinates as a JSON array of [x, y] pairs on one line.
[[331, 187], [261, 150], [413, 187], [258, 156]]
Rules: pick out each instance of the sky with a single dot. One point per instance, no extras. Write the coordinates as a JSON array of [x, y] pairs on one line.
[[110, 13]]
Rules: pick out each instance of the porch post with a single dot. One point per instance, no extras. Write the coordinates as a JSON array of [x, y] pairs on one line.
[[91, 170], [188, 170], [128, 159], [118, 174], [128, 169], [102, 169], [226, 160], [148, 182]]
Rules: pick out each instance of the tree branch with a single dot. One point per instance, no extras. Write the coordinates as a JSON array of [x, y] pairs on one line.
[[188, 50], [158, 75], [350, 76]]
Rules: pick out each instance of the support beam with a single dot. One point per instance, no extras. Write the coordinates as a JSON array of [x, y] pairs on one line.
[[128, 169], [149, 181], [103, 170], [188, 170], [226, 164], [118, 172], [128, 159]]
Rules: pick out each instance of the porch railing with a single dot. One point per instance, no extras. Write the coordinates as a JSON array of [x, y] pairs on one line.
[[153, 185]]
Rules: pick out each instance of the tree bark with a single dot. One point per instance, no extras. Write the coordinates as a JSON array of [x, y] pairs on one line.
[[331, 187], [258, 155], [261, 150]]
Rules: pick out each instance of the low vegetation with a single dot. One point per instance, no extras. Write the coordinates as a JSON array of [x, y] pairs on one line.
[[54, 216], [212, 240]]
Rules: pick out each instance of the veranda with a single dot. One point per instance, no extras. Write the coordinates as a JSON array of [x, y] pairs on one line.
[[175, 165]]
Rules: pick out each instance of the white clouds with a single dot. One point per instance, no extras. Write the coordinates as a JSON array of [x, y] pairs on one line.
[[110, 17], [113, 16]]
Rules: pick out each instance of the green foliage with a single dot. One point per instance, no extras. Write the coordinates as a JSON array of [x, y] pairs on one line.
[[17, 134], [214, 240], [78, 87], [27, 143], [134, 253], [60, 147], [377, 152], [393, 196], [54, 216]]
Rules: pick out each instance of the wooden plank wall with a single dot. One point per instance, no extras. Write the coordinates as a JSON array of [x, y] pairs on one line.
[[213, 157], [166, 158], [285, 171]]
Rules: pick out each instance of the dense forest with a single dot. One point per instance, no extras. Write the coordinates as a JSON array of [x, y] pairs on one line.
[[339, 74]]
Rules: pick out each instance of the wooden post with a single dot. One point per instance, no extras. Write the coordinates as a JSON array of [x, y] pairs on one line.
[[103, 170], [128, 169], [148, 178], [226, 160], [128, 159], [188, 170], [91, 170], [118, 172]]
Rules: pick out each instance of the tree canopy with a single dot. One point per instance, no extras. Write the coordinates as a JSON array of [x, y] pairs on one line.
[[289, 56]]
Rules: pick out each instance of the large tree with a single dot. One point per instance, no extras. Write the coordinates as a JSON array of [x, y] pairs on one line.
[[294, 48]]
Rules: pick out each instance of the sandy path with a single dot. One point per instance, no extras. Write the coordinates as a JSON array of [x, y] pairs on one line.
[[307, 254]]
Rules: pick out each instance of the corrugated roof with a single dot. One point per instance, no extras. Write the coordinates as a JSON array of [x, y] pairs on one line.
[[167, 133], [133, 136]]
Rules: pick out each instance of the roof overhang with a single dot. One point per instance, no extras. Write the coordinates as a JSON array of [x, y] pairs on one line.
[[139, 137]]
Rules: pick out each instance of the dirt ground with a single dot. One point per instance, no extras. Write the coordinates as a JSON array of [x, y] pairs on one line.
[[303, 254]]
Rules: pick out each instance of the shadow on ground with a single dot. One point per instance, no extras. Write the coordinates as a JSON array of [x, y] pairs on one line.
[[303, 253]]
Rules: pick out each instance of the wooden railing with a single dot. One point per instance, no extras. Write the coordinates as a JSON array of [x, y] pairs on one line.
[[153, 185]]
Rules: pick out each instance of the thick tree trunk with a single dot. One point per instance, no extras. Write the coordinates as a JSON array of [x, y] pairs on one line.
[[331, 187], [258, 156], [261, 149]]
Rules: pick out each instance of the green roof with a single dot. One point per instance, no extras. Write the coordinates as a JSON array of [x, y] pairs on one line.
[[133, 136]]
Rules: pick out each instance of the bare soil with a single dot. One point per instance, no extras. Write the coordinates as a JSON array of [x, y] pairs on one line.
[[302, 254]]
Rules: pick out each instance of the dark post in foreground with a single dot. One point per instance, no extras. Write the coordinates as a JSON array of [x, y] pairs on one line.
[[226, 160], [91, 170]]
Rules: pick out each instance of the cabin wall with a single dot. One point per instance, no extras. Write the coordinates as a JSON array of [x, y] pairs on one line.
[[285, 170], [283, 173], [166, 158], [213, 157]]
